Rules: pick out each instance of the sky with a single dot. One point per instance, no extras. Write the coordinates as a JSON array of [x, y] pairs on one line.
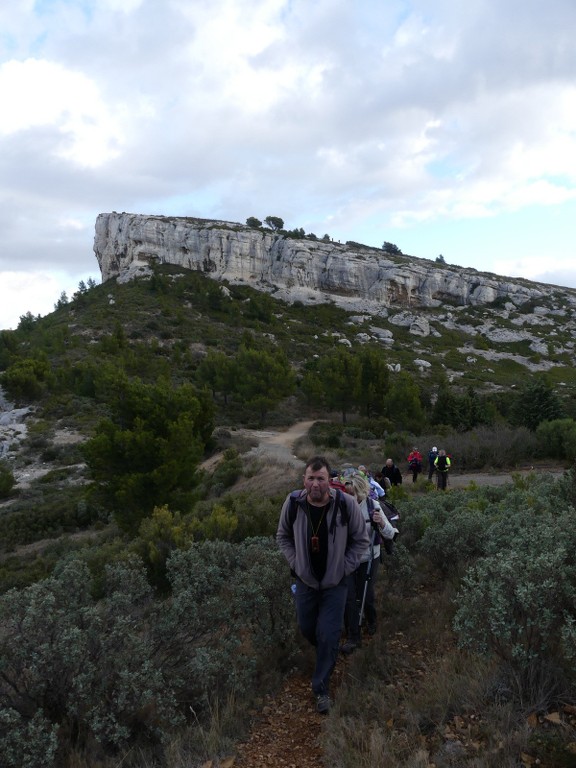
[[444, 127]]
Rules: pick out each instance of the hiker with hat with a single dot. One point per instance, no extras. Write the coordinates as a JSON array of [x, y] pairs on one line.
[[432, 456]]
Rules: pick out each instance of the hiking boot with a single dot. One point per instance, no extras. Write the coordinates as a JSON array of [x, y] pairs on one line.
[[349, 647], [323, 703], [371, 629]]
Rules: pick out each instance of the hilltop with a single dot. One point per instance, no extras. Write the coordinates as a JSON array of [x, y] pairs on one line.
[[396, 302]]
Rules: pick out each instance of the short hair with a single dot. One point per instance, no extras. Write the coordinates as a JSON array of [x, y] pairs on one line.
[[316, 463]]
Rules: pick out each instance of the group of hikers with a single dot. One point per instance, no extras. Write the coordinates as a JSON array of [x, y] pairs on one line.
[[438, 464], [332, 533]]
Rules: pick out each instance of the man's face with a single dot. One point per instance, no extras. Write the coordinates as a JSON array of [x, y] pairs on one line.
[[316, 483]]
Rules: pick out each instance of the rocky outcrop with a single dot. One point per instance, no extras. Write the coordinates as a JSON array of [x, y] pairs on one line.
[[356, 277], [12, 424]]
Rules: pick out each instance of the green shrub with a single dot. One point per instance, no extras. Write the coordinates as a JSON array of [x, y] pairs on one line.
[[325, 434], [559, 437], [453, 546], [129, 666], [236, 517], [27, 380], [514, 603], [27, 742], [229, 469], [7, 480]]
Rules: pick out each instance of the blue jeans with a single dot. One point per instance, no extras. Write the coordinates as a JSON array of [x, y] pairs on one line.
[[320, 615]]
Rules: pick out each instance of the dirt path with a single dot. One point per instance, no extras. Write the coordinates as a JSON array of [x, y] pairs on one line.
[[464, 479], [274, 445], [278, 447]]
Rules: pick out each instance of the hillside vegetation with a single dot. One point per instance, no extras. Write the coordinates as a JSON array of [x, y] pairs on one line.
[[145, 608]]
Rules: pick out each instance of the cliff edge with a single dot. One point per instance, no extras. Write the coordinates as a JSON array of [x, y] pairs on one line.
[[354, 276]]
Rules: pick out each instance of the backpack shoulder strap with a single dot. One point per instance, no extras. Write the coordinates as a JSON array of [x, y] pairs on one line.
[[341, 502], [293, 508]]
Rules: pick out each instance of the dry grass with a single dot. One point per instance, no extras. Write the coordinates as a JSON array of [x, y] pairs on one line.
[[411, 698]]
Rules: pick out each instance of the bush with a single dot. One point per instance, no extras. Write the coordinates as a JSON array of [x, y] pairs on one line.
[[452, 547], [514, 603], [325, 434], [130, 666], [229, 469], [27, 380], [27, 742], [236, 517], [7, 481], [559, 437]]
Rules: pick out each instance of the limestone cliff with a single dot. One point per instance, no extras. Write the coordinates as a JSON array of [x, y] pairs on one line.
[[352, 275]]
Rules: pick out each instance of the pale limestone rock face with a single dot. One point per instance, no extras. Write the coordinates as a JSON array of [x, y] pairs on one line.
[[541, 347], [382, 334], [420, 327], [360, 279], [502, 335], [403, 319]]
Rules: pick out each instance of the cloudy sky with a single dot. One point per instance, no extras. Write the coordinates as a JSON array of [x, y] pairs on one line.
[[445, 127]]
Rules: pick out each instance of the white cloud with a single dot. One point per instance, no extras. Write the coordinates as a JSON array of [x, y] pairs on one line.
[[36, 93], [356, 119], [23, 292]]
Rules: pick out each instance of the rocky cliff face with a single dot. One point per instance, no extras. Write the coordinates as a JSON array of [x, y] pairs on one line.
[[354, 276]]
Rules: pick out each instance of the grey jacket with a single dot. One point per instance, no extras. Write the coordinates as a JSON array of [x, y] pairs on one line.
[[346, 543]]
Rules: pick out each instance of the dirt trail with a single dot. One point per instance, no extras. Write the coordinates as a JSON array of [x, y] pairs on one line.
[[274, 445], [279, 447], [461, 480]]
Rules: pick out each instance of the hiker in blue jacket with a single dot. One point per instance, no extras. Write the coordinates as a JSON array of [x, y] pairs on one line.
[[323, 539], [376, 490], [432, 456]]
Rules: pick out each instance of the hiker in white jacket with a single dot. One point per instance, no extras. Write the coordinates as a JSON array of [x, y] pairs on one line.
[[361, 596]]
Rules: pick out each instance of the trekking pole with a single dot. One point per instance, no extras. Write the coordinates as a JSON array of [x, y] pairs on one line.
[[368, 575]]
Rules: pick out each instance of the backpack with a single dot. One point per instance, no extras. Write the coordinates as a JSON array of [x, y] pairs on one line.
[[443, 463]]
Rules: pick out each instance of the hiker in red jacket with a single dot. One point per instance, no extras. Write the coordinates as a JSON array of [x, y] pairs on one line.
[[415, 463]]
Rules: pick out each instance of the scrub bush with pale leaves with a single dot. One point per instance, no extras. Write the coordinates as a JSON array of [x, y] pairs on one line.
[[79, 673]]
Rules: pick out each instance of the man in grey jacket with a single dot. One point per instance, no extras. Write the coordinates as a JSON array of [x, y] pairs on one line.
[[322, 535]]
